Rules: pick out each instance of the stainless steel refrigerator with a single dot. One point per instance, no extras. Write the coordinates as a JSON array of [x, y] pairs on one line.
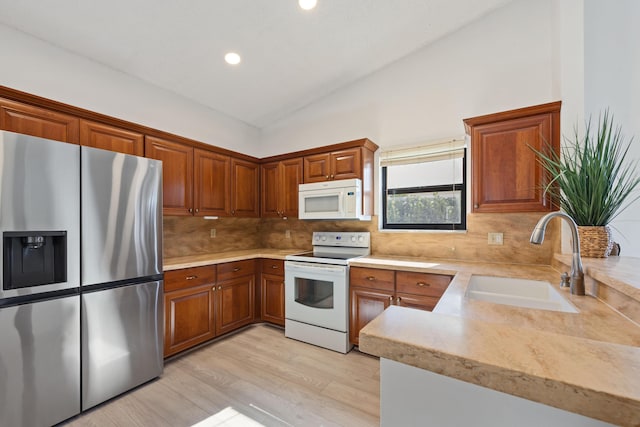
[[81, 279]]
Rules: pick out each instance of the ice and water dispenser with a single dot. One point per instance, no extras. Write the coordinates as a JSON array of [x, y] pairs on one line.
[[34, 258]]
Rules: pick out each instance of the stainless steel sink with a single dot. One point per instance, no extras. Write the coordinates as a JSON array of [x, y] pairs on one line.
[[518, 292]]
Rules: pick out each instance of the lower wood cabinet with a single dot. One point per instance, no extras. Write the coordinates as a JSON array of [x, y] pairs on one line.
[[372, 290], [204, 302], [272, 291]]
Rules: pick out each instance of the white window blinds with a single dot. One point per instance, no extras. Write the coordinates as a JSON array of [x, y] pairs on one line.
[[437, 150]]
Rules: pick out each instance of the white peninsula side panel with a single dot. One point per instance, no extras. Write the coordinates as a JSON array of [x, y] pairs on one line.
[[411, 396]]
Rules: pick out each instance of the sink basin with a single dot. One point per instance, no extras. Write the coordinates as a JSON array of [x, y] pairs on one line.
[[518, 292]]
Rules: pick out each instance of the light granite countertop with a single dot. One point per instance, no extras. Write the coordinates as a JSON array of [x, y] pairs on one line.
[[222, 257], [587, 362]]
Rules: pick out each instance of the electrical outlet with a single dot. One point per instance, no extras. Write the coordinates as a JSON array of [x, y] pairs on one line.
[[495, 238], [212, 233], [287, 234]]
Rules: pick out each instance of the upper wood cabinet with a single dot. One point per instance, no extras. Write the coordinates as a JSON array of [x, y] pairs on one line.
[[177, 174], [505, 173], [342, 164], [212, 183], [280, 188], [245, 198], [29, 120], [98, 135]]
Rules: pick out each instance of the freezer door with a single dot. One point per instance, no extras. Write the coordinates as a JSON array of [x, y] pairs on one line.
[[121, 216], [122, 340], [39, 194], [40, 362]]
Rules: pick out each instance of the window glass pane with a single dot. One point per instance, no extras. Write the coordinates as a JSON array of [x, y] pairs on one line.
[[442, 207], [440, 172]]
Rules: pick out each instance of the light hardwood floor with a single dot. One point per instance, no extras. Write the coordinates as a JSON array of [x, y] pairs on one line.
[[254, 377]]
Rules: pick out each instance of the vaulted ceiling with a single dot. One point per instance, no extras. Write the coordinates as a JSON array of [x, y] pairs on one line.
[[290, 57]]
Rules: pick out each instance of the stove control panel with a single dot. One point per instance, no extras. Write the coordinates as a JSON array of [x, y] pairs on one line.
[[352, 239]]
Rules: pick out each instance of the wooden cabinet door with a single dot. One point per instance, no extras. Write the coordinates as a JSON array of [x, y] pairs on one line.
[[234, 303], [272, 298], [290, 177], [317, 168], [366, 304], [346, 164], [279, 186], [270, 189], [421, 302], [189, 318], [245, 196], [212, 183], [111, 138], [506, 176], [177, 174], [40, 122]]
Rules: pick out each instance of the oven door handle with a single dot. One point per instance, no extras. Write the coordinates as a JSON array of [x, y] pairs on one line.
[[310, 266]]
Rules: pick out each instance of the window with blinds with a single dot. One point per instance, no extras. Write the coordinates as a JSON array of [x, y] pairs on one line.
[[424, 188]]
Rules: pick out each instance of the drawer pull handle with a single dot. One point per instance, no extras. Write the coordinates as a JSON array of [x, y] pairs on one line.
[[191, 277], [422, 284], [371, 278], [236, 269], [274, 266]]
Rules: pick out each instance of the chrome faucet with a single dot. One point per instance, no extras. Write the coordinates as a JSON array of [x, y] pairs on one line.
[[576, 282]]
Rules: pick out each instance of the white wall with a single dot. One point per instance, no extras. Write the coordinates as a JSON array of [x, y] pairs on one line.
[[37, 67], [501, 62], [612, 79]]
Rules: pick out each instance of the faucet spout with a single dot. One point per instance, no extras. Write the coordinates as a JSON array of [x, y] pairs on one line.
[[577, 274]]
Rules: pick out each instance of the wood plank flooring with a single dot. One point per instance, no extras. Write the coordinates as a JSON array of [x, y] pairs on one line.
[[255, 377]]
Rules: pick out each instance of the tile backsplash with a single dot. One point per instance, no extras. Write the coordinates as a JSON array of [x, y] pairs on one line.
[[192, 235]]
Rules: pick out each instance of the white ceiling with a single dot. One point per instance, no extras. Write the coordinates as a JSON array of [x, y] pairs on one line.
[[290, 57]]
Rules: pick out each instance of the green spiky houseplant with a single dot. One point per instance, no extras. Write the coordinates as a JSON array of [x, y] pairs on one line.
[[592, 181]]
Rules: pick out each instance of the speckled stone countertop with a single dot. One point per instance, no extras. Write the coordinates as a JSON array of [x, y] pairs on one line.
[[219, 258], [587, 362]]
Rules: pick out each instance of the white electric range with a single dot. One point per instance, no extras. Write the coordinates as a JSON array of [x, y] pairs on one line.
[[317, 289]]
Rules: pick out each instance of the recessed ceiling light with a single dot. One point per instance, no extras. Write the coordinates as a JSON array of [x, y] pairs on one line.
[[307, 4], [232, 58]]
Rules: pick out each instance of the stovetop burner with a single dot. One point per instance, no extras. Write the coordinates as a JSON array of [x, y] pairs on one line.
[[335, 247]]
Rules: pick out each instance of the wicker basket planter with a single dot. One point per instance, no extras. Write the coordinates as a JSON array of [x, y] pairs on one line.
[[595, 241]]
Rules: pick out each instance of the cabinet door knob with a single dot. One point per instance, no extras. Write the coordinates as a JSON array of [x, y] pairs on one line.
[[233, 211], [213, 289], [422, 284], [327, 177], [219, 288], [391, 300], [331, 176], [190, 210], [398, 300], [476, 206], [191, 277], [197, 210]]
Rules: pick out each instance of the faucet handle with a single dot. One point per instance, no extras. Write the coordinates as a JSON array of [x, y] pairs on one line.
[[565, 280]]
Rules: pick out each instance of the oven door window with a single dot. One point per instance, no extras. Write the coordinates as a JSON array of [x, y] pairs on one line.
[[314, 293]]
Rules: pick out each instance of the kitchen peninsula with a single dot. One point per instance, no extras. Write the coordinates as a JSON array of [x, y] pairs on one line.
[[586, 363]]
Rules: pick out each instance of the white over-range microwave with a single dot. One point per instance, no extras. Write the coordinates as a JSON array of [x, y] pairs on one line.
[[339, 199]]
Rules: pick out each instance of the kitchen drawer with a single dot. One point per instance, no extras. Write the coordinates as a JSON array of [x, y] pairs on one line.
[[372, 278], [189, 277], [420, 302], [273, 266], [421, 283], [230, 270]]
